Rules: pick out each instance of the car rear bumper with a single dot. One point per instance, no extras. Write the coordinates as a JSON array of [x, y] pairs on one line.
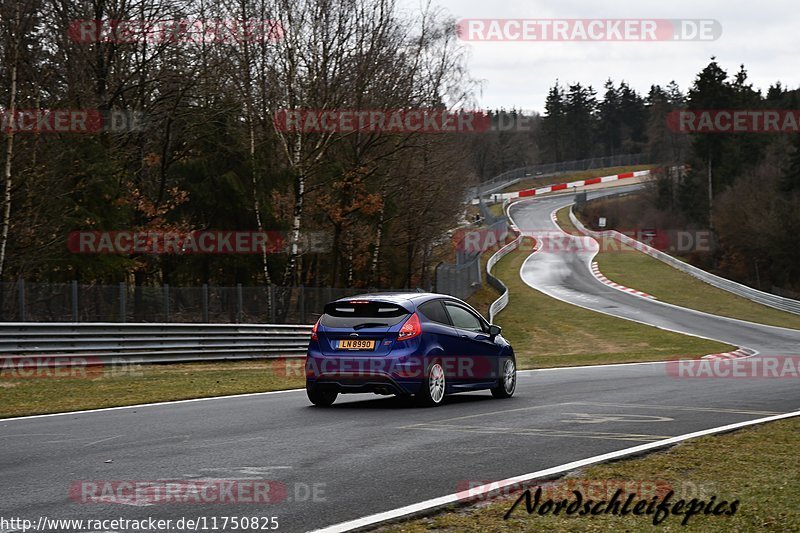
[[353, 382], [398, 373]]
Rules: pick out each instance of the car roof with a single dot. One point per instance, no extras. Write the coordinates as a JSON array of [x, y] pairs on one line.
[[398, 297]]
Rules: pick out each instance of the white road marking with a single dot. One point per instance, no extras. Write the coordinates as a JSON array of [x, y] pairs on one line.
[[539, 432], [598, 418], [443, 501], [248, 470], [102, 440], [679, 408]]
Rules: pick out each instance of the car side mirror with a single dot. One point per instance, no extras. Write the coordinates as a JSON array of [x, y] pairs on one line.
[[494, 330]]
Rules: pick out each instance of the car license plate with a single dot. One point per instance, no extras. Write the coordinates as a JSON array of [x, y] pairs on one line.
[[356, 344]]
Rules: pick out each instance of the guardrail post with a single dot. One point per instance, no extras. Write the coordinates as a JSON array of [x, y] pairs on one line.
[[301, 299], [239, 305], [205, 303], [123, 296], [166, 302], [74, 300], [21, 299]]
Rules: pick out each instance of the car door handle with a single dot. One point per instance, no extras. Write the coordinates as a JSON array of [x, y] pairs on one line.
[[465, 336]]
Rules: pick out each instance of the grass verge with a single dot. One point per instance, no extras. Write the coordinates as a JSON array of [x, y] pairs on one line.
[[637, 270], [756, 470], [496, 209], [547, 332], [92, 388]]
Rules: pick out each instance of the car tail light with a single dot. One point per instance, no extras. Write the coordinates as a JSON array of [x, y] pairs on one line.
[[314, 330], [410, 329]]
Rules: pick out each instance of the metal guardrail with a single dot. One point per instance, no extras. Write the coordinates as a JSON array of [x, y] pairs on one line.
[[501, 303], [111, 343], [754, 295]]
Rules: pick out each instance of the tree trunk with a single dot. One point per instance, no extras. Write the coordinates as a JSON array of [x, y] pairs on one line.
[[256, 201], [376, 252], [335, 258], [12, 110], [249, 105], [297, 213], [349, 260]]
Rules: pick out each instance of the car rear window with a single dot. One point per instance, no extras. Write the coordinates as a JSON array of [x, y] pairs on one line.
[[365, 313], [435, 311]]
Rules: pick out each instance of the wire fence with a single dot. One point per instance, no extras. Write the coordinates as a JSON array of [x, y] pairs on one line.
[[464, 277], [23, 301], [73, 302]]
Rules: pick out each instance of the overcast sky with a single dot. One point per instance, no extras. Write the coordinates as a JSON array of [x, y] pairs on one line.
[[764, 35]]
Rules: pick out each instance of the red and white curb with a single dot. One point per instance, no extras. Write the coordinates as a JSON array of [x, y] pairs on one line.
[[736, 354], [602, 279], [564, 186]]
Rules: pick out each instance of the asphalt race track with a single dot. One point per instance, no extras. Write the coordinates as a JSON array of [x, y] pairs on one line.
[[369, 454], [565, 275]]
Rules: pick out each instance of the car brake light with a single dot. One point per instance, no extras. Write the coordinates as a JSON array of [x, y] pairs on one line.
[[410, 329], [314, 331]]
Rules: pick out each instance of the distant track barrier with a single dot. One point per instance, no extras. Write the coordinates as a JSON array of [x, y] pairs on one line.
[[500, 304], [754, 295]]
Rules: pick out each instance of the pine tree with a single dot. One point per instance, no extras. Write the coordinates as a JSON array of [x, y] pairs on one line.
[[775, 95], [634, 116], [611, 119], [581, 119], [711, 90], [553, 123], [675, 96]]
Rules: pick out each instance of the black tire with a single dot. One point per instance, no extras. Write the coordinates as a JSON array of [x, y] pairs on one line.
[[321, 397], [506, 388], [431, 392]]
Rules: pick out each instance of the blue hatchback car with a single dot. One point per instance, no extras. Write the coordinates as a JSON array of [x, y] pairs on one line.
[[421, 344]]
